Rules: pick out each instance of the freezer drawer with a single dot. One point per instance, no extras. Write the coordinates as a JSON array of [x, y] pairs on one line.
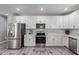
[[14, 44]]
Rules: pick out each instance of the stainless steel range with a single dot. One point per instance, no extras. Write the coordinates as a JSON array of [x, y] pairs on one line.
[[40, 39]]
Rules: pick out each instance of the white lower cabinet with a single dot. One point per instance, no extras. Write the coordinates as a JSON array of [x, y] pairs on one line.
[[52, 39], [66, 41], [29, 40], [55, 40]]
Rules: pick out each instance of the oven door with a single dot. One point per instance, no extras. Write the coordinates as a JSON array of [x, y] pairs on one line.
[[40, 40]]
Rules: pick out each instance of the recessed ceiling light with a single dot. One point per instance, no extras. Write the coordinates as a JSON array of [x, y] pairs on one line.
[[65, 9], [42, 9], [18, 9]]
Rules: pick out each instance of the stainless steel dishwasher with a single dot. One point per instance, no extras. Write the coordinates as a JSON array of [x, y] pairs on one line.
[[73, 44]]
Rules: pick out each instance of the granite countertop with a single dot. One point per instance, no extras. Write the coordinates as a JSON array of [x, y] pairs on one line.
[[76, 37]]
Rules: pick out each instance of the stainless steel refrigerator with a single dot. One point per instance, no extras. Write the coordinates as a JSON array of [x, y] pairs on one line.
[[16, 36]]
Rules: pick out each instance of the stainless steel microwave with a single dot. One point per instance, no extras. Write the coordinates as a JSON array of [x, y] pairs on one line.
[[40, 26]]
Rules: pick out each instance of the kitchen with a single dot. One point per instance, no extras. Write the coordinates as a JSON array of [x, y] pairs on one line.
[[48, 29]]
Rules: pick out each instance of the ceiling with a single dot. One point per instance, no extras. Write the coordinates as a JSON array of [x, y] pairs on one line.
[[34, 9]]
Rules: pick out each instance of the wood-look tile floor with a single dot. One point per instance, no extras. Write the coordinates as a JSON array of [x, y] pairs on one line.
[[36, 51]]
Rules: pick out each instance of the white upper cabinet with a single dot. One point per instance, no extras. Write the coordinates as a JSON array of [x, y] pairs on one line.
[[41, 19], [33, 21], [23, 19], [27, 21], [66, 22], [74, 19], [71, 22], [60, 22], [19, 19], [51, 22]]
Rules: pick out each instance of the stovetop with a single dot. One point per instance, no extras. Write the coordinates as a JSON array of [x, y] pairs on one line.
[[40, 35]]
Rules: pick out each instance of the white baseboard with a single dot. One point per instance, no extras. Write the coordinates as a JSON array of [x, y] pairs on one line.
[[3, 41]]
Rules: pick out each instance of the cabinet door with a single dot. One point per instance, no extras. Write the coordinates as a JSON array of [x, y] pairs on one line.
[[76, 22], [58, 40], [50, 40], [26, 40], [60, 23], [33, 21], [27, 21], [71, 22], [63, 21], [19, 19], [51, 22], [29, 40], [66, 41], [54, 40], [41, 19], [66, 21]]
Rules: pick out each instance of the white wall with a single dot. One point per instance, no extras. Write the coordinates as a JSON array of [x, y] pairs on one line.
[[3, 27]]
